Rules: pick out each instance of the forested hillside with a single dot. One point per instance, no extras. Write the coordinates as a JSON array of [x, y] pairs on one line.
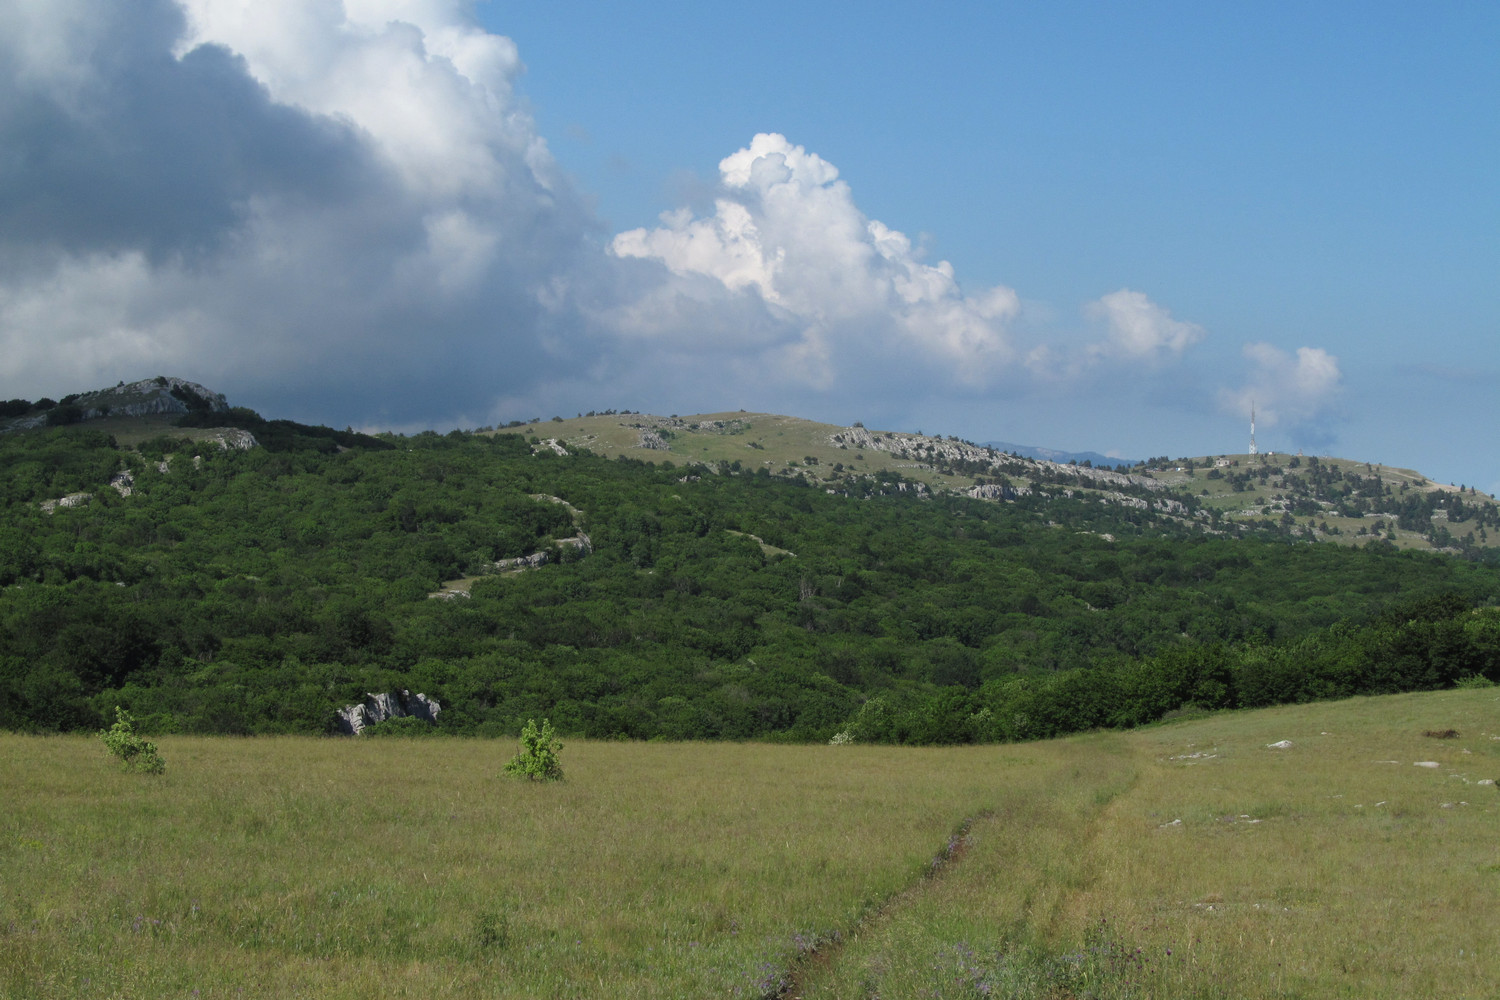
[[246, 591]]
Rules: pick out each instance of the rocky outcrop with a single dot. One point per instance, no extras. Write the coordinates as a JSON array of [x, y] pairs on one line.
[[994, 491], [352, 719], [580, 542], [233, 439], [159, 396], [532, 561], [153, 395], [71, 500], [652, 441], [148, 397]]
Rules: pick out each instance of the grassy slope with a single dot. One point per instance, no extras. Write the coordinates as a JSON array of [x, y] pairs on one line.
[[782, 445], [390, 868], [1262, 500], [781, 440], [1331, 868]]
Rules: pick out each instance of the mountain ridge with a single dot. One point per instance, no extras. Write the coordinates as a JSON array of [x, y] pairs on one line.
[[1316, 499], [1313, 498]]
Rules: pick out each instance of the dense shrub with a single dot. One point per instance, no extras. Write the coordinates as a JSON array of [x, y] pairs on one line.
[[539, 758], [134, 752]]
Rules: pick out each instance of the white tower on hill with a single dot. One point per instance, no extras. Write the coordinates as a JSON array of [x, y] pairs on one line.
[[1252, 427]]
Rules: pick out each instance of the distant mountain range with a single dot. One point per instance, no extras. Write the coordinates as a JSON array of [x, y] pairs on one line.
[[1060, 457]]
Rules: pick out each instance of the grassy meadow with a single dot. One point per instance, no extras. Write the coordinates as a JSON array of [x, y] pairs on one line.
[[1187, 859]]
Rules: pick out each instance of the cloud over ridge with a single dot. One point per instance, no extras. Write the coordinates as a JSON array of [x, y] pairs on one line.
[[1298, 391], [343, 209], [281, 197], [785, 230]]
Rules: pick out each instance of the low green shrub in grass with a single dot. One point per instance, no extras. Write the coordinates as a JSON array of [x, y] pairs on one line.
[[134, 751], [539, 756]]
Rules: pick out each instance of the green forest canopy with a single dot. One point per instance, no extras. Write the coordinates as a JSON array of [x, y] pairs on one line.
[[257, 591]]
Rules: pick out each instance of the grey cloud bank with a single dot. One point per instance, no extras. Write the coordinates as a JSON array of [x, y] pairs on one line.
[[344, 213]]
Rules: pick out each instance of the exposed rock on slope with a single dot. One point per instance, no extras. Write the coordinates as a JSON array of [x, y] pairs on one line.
[[148, 397], [71, 500], [233, 439], [352, 719]]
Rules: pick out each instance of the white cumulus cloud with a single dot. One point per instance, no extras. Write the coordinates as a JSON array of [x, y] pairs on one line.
[[1295, 391], [839, 288], [1139, 329]]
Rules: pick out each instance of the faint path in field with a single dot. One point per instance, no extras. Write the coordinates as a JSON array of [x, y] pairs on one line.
[[823, 952]]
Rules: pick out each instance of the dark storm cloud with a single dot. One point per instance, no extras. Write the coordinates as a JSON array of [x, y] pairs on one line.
[[156, 153], [163, 209]]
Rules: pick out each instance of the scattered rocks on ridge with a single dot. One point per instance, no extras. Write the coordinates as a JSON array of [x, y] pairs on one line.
[[925, 450]]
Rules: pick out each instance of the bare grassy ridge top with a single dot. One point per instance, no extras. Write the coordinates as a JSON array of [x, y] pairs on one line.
[[283, 866], [790, 446]]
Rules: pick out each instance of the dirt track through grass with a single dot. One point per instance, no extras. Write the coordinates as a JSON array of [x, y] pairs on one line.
[[824, 953]]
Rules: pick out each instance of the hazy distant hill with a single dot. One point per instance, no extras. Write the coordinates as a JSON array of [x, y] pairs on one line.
[[1063, 457]]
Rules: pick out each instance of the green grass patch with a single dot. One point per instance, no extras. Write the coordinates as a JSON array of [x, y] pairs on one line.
[[1184, 860]]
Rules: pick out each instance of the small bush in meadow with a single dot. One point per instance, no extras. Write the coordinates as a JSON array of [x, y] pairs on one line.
[[538, 759], [135, 752]]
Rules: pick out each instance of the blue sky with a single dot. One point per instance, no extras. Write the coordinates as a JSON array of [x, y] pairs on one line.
[[1102, 227]]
